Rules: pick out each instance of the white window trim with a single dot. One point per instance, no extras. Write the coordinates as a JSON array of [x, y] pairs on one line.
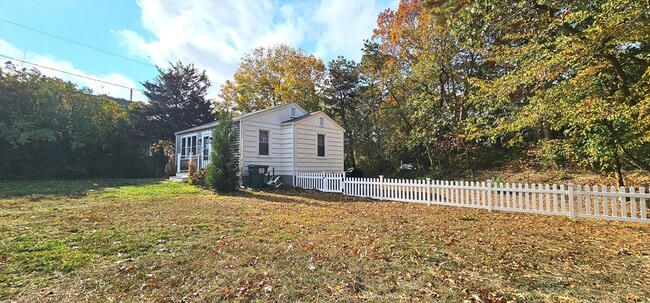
[[268, 139], [321, 122], [203, 136], [293, 112]]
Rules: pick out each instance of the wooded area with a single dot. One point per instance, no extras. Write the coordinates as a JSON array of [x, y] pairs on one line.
[[49, 128], [457, 86]]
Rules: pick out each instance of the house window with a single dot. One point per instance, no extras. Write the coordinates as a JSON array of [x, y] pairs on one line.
[[188, 145], [293, 112], [322, 121], [264, 143], [321, 145]]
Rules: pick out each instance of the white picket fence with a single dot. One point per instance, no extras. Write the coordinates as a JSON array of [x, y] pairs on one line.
[[321, 181], [623, 204]]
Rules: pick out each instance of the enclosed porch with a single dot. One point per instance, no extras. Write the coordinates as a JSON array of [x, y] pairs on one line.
[[194, 146]]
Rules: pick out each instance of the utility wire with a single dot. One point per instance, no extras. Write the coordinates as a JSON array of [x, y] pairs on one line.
[[77, 43], [69, 73]]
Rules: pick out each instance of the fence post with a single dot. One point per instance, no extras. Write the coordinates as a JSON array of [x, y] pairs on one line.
[[572, 211], [489, 194], [381, 187], [323, 183], [643, 205], [428, 191]]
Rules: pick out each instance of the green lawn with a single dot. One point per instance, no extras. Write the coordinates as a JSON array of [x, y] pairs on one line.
[[151, 240]]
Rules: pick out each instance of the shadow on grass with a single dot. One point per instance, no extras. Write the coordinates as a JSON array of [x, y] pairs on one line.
[[38, 189], [297, 196]]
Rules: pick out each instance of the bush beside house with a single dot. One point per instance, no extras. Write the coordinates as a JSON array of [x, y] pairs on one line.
[[222, 174]]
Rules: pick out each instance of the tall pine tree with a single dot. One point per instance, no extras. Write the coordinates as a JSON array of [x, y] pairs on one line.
[[341, 94], [177, 100], [223, 172]]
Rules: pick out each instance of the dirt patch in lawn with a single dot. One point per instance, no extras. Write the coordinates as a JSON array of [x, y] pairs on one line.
[[157, 241]]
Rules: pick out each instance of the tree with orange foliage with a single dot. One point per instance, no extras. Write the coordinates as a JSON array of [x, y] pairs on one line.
[[272, 76]]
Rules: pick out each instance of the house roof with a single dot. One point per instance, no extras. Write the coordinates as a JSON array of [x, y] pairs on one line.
[[314, 114], [238, 118], [274, 108], [255, 113], [198, 127], [298, 118]]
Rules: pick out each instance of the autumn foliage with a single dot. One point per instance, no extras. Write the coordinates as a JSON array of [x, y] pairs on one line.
[[455, 87], [273, 76]]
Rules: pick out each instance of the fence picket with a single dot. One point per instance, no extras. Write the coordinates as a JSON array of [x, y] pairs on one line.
[[470, 192], [597, 201], [452, 198], [444, 194], [606, 199], [643, 205], [632, 205], [452, 195], [562, 199], [587, 198], [555, 202], [533, 197], [579, 197], [618, 201], [548, 197], [470, 201]]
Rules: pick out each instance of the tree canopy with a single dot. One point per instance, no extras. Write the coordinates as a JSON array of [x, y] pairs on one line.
[[272, 76], [51, 129], [341, 94], [451, 86], [576, 72], [177, 100]]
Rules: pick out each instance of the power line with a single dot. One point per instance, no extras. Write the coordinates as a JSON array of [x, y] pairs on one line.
[[73, 74], [77, 43]]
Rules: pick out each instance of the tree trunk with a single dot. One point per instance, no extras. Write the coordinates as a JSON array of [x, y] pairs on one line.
[[349, 153], [546, 131], [619, 169]]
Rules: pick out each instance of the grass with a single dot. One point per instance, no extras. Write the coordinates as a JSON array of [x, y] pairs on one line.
[[151, 240]]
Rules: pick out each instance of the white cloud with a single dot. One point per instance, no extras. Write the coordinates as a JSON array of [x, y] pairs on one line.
[[47, 61], [345, 24], [214, 35]]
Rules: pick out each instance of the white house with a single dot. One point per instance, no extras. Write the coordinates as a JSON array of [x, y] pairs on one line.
[[286, 138]]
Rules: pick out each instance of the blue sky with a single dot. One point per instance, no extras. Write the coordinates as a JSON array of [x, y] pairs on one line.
[[213, 35]]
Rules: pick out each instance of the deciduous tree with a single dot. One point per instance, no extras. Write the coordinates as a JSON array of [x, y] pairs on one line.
[[272, 76], [576, 70]]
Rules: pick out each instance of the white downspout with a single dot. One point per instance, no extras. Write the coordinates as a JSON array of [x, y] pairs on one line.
[[241, 151], [295, 169]]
